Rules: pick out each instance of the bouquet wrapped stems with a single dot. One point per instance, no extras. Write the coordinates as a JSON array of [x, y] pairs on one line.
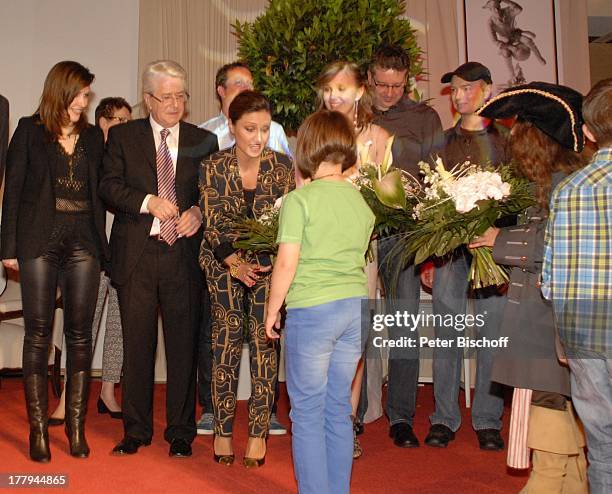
[[484, 271]]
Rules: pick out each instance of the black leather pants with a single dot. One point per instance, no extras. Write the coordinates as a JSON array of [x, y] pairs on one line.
[[69, 265]]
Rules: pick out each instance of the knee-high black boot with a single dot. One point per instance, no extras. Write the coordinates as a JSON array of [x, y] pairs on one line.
[[77, 387], [36, 393]]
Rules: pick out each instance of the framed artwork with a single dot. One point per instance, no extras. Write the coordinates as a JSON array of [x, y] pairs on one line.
[[516, 40]]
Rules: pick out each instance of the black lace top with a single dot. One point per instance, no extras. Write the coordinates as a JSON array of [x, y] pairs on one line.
[[73, 218]]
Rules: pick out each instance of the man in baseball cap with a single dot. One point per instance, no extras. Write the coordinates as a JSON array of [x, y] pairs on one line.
[[469, 71], [483, 141]]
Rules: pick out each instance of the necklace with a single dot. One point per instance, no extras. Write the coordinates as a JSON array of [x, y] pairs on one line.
[[329, 175]]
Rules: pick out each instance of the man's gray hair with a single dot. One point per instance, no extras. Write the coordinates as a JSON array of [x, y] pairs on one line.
[[158, 68]]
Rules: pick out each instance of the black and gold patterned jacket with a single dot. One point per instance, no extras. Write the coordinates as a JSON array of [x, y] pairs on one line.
[[222, 199]]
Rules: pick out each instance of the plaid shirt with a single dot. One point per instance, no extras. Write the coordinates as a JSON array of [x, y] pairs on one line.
[[577, 270]]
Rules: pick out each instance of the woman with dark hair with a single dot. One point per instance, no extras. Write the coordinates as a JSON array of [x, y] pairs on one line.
[[546, 144], [110, 111], [324, 232], [246, 179], [53, 233]]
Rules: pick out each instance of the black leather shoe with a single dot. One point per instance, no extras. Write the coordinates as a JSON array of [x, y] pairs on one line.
[[403, 436], [128, 446], [439, 436], [179, 448], [53, 421], [490, 440], [102, 408]]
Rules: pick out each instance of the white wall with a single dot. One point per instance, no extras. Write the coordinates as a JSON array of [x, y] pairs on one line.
[[36, 34]]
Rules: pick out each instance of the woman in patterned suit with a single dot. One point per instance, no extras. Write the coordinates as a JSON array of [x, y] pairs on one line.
[[246, 179]]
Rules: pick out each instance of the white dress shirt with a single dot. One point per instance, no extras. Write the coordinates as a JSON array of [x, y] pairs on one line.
[[219, 126], [173, 142]]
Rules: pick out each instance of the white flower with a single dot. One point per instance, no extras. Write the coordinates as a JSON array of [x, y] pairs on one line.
[[279, 202], [469, 189]]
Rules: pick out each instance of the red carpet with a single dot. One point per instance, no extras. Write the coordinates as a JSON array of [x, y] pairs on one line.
[[462, 468]]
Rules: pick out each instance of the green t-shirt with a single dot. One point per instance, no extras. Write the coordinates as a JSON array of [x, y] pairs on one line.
[[333, 224]]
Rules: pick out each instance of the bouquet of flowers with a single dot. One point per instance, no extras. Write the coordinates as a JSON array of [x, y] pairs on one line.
[[455, 206], [259, 234], [388, 191]]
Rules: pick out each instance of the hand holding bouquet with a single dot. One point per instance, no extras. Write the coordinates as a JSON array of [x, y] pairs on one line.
[[455, 206], [259, 234]]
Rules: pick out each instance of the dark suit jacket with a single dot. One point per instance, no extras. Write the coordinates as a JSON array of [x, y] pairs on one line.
[[4, 131], [28, 209], [130, 174]]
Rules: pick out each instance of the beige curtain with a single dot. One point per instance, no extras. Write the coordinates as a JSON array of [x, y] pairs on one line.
[[573, 44], [436, 22], [198, 35]]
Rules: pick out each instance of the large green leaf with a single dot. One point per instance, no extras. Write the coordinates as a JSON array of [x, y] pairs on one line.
[[390, 190]]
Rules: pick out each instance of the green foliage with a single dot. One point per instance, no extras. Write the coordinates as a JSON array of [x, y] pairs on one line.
[[288, 46]]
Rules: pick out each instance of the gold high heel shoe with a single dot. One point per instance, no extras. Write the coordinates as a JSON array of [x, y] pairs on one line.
[[249, 462], [253, 462], [226, 460]]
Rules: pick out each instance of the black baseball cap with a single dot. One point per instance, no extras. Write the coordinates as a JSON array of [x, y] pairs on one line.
[[469, 71]]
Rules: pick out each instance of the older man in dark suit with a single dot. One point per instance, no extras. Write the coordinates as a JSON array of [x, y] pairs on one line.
[[150, 178]]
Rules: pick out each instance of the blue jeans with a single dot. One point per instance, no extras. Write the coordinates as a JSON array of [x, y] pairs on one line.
[[403, 363], [450, 294], [323, 345], [591, 381]]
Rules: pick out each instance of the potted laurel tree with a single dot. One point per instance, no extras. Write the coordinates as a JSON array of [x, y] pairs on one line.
[[286, 48]]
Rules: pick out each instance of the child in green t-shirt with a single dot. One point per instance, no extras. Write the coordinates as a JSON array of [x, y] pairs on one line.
[[324, 231]]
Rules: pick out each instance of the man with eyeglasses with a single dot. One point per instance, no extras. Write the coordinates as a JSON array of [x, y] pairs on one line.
[[231, 80], [150, 180], [112, 111], [418, 137]]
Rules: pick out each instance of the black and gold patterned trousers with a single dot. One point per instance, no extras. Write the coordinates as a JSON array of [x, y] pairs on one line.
[[232, 303]]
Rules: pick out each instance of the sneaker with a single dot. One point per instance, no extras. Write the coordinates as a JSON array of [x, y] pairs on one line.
[[204, 427], [276, 428]]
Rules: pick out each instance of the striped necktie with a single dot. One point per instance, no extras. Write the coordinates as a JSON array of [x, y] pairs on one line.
[[166, 187]]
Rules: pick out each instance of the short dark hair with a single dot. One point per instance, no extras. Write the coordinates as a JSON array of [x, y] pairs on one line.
[[389, 57], [247, 102], [596, 111], [325, 136], [107, 107], [221, 76]]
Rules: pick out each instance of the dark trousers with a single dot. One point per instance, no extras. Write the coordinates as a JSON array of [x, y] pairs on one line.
[[205, 356], [71, 266], [402, 292], [232, 303], [160, 279]]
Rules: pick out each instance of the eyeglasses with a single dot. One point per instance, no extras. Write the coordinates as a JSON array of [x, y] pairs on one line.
[[118, 119], [167, 99], [241, 83], [393, 87]]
